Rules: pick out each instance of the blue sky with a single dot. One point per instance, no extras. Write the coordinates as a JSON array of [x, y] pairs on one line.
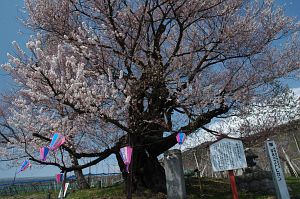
[[10, 28]]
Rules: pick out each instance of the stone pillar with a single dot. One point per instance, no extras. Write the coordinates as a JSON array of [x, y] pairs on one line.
[[174, 174]]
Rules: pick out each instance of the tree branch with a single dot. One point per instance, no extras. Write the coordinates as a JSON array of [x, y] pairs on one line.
[[165, 143]]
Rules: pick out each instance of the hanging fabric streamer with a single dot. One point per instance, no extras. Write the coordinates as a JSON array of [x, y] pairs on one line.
[[57, 140], [24, 166], [59, 177], [126, 153], [180, 137], [43, 153]]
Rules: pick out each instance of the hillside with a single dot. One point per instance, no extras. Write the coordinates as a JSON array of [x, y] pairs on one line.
[[285, 137]]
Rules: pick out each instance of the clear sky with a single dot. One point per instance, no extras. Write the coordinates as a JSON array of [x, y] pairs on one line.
[[10, 28]]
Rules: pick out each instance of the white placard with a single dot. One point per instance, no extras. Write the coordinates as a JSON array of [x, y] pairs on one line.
[[227, 154], [278, 177], [65, 190], [60, 194]]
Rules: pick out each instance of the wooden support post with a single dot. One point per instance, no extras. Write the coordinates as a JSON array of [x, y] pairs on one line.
[[233, 185], [196, 162], [63, 184], [296, 141], [129, 183], [290, 163]]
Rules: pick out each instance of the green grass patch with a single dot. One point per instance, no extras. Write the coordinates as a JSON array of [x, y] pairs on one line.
[[110, 192], [215, 189], [294, 184], [28, 196], [220, 189]]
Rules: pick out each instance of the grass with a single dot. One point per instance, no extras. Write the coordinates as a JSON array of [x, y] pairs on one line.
[[205, 188], [294, 184], [110, 192], [220, 189], [215, 189]]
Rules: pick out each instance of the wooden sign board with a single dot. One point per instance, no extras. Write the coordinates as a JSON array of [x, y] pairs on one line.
[[227, 154]]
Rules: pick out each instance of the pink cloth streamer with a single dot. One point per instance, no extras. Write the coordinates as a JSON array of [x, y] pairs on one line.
[[24, 166], [59, 177], [180, 137], [43, 153], [126, 154], [57, 140]]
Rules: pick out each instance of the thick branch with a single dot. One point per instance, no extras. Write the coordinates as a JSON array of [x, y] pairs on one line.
[[101, 157], [204, 119], [5, 138], [63, 146], [47, 163], [165, 143]]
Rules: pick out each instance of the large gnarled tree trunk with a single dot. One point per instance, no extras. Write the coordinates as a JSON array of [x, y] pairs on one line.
[[81, 181], [145, 171]]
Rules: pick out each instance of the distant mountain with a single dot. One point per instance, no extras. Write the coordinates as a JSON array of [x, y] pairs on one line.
[[7, 181]]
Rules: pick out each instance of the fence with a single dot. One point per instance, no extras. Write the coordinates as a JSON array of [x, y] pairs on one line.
[[49, 185]]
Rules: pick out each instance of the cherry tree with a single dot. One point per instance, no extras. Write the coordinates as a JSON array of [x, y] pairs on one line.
[[22, 137], [127, 69]]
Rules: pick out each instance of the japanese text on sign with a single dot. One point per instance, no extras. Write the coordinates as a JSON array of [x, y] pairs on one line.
[[227, 154], [278, 177]]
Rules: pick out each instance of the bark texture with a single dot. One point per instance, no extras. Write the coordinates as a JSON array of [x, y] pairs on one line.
[[81, 181], [145, 172]]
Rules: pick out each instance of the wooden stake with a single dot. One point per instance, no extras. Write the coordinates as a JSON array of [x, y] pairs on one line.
[[233, 185], [196, 162], [290, 163], [198, 173], [296, 141], [129, 183], [63, 184]]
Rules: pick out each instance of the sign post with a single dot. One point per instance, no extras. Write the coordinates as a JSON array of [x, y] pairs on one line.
[[278, 177], [233, 185], [228, 154]]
